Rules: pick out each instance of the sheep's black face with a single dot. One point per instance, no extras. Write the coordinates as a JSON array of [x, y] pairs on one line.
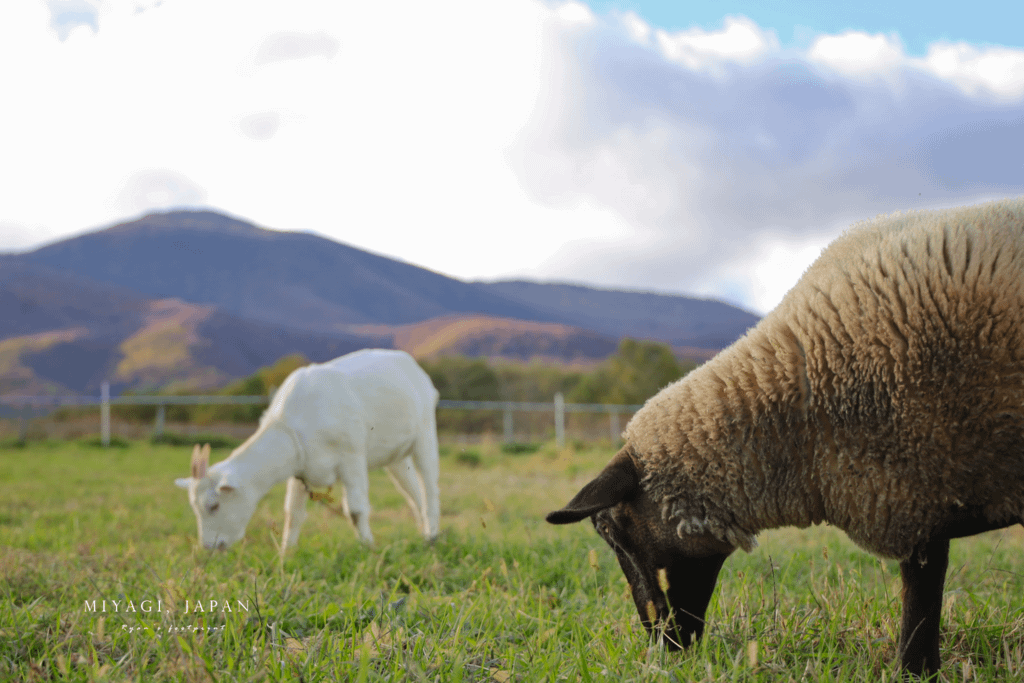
[[671, 587], [671, 577]]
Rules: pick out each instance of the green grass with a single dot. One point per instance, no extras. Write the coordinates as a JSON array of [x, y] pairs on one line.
[[500, 596]]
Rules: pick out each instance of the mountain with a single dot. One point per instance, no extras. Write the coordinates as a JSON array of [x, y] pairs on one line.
[[311, 283], [195, 298], [62, 333], [293, 279], [678, 320], [504, 338]]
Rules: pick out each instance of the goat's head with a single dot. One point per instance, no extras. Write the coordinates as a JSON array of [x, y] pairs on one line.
[[222, 504]]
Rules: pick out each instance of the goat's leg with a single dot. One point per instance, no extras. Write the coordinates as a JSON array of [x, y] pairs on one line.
[[408, 482], [294, 511], [427, 463], [357, 493]]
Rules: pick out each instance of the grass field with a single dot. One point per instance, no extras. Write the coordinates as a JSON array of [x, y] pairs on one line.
[[500, 596]]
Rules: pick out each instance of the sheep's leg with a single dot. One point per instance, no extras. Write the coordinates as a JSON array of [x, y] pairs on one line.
[[924, 576], [406, 480], [294, 511], [356, 501], [425, 459]]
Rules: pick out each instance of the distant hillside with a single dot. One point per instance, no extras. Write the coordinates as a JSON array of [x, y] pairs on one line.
[[498, 338], [678, 320], [37, 299], [293, 279], [195, 299], [66, 334], [312, 283], [61, 334]]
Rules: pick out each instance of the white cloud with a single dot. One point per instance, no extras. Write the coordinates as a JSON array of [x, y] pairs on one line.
[[17, 236], [854, 53], [740, 41], [575, 13], [156, 189], [991, 70], [998, 70], [637, 29], [382, 125], [490, 140], [261, 125], [732, 185], [67, 15], [778, 262], [280, 47]]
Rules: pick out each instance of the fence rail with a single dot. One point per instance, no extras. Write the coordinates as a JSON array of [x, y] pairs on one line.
[[26, 406]]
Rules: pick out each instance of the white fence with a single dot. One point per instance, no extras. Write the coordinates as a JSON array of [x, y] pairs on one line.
[[27, 406]]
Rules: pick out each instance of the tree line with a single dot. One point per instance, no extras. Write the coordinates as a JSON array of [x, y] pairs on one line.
[[634, 373]]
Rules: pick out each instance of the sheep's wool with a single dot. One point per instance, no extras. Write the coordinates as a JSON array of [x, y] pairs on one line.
[[883, 394]]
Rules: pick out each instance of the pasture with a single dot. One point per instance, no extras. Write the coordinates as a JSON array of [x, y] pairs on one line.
[[500, 596]]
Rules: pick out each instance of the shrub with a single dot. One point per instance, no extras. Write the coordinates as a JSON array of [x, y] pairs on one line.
[[115, 442], [520, 448], [470, 457], [215, 440]]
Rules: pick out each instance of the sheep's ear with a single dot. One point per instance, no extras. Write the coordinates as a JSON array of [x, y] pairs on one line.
[[200, 461], [183, 482], [617, 482]]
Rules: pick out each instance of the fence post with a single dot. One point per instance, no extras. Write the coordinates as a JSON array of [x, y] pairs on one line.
[[508, 424], [161, 416], [559, 420], [105, 413], [613, 424]]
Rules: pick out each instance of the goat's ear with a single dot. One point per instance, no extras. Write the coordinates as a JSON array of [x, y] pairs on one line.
[[183, 482], [617, 482], [200, 461]]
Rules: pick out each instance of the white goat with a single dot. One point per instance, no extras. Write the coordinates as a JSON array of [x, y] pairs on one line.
[[328, 423]]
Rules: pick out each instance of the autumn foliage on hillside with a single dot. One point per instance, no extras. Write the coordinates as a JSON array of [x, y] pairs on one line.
[[634, 373]]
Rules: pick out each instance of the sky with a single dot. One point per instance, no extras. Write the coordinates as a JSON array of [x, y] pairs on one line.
[[705, 149]]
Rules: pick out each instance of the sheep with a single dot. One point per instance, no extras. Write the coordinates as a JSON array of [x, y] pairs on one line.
[[884, 395], [328, 422]]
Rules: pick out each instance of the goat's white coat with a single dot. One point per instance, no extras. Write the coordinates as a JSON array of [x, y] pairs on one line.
[[329, 423]]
